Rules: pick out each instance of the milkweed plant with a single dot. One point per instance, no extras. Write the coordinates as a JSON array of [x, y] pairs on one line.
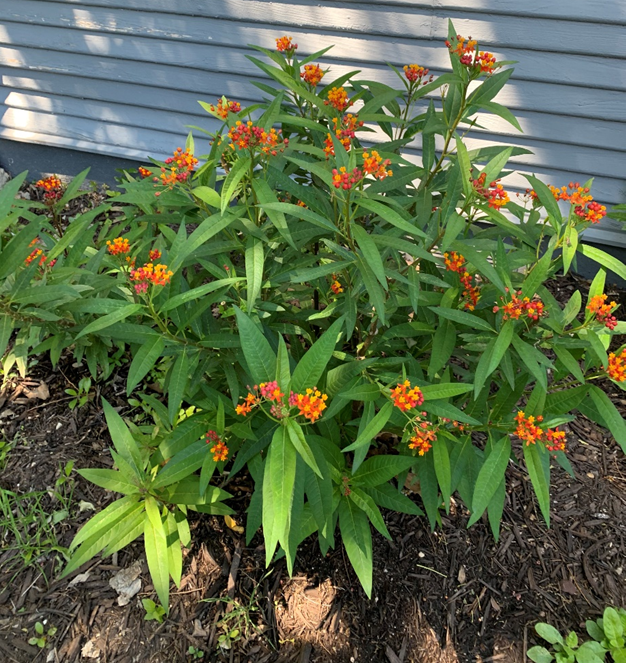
[[334, 312]]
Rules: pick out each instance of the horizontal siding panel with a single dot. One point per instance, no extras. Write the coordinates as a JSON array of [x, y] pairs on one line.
[[88, 76], [590, 11], [368, 19], [595, 72], [122, 104]]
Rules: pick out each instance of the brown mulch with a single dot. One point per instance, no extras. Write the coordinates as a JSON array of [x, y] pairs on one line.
[[449, 596]]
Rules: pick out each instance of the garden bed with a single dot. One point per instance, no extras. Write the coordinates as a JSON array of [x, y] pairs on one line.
[[450, 595]]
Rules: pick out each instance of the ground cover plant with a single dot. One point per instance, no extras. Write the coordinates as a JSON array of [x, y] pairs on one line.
[[323, 312]]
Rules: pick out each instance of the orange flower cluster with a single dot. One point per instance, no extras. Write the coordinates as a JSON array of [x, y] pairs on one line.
[[271, 391], [310, 404], [406, 397], [224, 107], [455, 262], [584, 205], [416, 74], [38, 254], [423, 437], [520, 307], [285, 45], [181, 165], [336, 285], [602, 311], [150, 274], [118, 246], [344, 180], [219, 449], [338, 99], [467, 52], [154, 255], [495, 194], [312, 74], [617, 366], [373, 164], [144, 172], [344, 131], [53, 188], [249, 402], [250, 137], [529, 432]]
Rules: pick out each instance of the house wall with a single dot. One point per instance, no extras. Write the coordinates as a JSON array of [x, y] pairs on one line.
[[123, 77]]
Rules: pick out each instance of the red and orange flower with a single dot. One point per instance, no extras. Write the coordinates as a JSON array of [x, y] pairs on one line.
[[405, 397]]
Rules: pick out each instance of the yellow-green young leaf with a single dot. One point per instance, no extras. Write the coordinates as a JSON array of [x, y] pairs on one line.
[[538, 466], [208, 195], [357, 540], [177, 384], [302, 446], [372, 429], [110, 319], [111, 480], [311, 367], [570, 244], [572, 307], [206, 472], [6, 329], [259, 355], [174, 551], [106, 518], [604, 259], [254, 259], [184, 533], [547, 200], [490, 477], [370, 253], [123, 441], [155, 545], [107, 535], [144, 361]]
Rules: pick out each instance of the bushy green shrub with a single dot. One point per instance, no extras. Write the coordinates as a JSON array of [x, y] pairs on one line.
[[333, 316]]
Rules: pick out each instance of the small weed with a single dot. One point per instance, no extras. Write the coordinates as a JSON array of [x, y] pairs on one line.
[[153, 610], [237, 621], [81, 395], [41, 635], [28, 525], [195, 653]]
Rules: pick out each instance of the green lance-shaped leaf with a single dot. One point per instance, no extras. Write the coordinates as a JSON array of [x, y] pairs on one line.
[[143, 362], [236, 174], [155, 545], [8, 194], [183, 464], [15, 252], [107, 534], [254, 258], [538, 465], [367, 504], [174, 551], [122, 438], [106, 519], [546, 199], [279, 479], [6, 329], [110, 319], [490, 477], [611, 416], [177, 385], [387, 496], [388, 214], [302, 446], [462, 318], [371, 254], [604, 259], [374, 289], [379, 469], [111, 480], [208, 195], [259, 355], [441, 460], [434, 392], [373, 428], [357, 540], [267, 198], [492, 356], [311, 367]]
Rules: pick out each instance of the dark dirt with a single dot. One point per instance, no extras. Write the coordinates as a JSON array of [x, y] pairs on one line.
[[449, 596]]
